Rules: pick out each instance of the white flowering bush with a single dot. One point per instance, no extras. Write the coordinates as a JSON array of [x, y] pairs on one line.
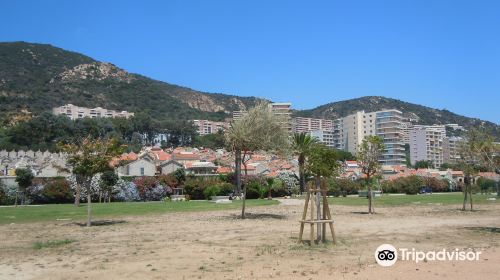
[[126, 191], [289, 179], [95, 184]]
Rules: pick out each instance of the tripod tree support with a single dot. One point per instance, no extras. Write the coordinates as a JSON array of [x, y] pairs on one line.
[[317, 198]]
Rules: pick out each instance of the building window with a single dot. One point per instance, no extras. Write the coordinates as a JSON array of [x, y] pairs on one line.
[[142, 171]]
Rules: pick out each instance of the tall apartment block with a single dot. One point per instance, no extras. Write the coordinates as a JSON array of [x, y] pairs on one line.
[[350, 131], [426, 143], [325, 137], [205, 127], [451, 149], [76, 112], [300, 124], [406, 128], [282, 110]]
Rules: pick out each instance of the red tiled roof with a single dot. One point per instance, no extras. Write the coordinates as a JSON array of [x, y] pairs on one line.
[[224, 170]]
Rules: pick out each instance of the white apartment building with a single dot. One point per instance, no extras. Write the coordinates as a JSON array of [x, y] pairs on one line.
[[451, 149], [426, 143], [282, 110], [300, 124], [76, 112], [350, 131], [405, 128], [325, 137], [205, 127]]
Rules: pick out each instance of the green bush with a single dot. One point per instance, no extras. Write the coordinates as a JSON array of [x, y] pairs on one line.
[[57, 191], [408, 185], [342, 187], [211, 191]]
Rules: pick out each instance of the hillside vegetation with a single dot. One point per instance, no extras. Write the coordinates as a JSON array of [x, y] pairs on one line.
[[36, 77]]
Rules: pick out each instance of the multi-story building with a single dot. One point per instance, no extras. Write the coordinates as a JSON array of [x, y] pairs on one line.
[[426, 143], [350, 131], [281, 110], [325, 137], [205, 127], [451, 149], [405, 128], [76, 112], [284, 112], [300, 124]]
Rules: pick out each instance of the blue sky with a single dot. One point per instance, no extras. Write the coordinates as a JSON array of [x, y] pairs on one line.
[[439, 53]]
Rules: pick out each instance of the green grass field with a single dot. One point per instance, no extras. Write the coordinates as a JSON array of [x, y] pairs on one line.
[[427, 199], [53, 212]]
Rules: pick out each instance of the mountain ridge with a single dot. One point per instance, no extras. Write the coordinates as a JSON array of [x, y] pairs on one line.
[[36, 77]]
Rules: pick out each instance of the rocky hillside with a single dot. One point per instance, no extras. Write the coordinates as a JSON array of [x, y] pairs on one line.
[[36, 77], [423, 114]]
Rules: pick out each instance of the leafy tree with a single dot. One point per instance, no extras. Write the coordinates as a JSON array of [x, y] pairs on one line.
[[478, 150], [321, 162], [423, 164], [24, 179], [302, 143], [108, 180], [369, 153], [213, 141], [258, 129], [88, 158]]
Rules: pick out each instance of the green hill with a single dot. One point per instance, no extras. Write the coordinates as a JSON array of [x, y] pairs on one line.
[[35, 78]]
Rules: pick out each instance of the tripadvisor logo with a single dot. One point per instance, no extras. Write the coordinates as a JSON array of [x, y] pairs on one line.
[[387, 255]]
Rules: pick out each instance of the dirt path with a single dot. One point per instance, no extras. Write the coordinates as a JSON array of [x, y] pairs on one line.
[[218, 245]]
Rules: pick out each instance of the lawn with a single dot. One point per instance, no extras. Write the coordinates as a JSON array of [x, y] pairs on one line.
[[426, 199], [53, 212]]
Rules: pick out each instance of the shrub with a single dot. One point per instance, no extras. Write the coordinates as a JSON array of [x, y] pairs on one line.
[[57, 191], [225, 188], [194, 187], [126, 191], [342, 187], [408, 185], [211, 191]]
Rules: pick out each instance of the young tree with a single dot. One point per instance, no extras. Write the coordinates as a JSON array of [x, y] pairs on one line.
[[321, 162], [258, 129], [90, 157], [368, 155], [477, 151], [108, 180], [301, 145], [24, 178]]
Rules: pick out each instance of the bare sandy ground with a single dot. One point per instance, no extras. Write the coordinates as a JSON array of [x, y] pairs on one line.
[[218, 245]]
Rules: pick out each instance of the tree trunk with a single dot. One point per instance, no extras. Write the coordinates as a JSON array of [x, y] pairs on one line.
[[318, 208], [370, 205], [100, 196], [470, 196], [244, 200], [302, 178], [89, 213], [78, 190], [237, 171], [465, 197], [17, 194]]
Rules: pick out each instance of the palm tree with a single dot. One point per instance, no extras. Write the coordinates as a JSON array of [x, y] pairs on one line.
[[302, 143]]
